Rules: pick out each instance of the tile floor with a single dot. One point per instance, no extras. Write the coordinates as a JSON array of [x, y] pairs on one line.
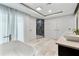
[[44, 46]]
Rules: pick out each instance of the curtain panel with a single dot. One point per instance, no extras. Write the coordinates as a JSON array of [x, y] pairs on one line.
[[11, 23]]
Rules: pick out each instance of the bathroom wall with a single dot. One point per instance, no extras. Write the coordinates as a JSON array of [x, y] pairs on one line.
[[29, 28], [56, 27]]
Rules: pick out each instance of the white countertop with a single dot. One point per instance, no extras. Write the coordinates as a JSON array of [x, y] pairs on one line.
[[62, 41]]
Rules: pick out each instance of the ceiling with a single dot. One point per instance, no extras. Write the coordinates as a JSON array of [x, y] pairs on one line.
[[57, 9]]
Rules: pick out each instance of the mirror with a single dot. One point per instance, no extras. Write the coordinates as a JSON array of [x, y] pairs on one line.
[[76, 31]]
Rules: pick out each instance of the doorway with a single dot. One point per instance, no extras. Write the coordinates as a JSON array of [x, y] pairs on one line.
[[40, 28]]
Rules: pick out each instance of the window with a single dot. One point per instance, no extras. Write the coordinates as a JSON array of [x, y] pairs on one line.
[[11, 22]]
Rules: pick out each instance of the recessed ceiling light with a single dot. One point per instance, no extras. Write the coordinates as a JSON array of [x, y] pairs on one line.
[[49, 3], [50, 11], [39, 8]]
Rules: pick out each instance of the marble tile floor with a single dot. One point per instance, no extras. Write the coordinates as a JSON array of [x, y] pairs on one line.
[[44, 47], [39, 37]]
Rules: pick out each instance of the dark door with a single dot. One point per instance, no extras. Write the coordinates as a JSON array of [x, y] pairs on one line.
[[40, 27]]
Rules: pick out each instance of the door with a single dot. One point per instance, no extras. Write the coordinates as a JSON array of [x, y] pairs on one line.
[[40, 27]]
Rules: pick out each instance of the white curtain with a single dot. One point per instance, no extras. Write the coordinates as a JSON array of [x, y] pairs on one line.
[[11, 22], [20, 24], [3, 24]]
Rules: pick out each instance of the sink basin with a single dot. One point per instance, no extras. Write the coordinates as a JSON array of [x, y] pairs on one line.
[[72, 38]]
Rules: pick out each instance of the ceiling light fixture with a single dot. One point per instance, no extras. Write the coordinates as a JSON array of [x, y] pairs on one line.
[[50, 11], [39, 8]]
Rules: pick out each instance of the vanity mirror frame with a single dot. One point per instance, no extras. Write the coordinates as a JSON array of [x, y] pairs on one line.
[[76, 12]]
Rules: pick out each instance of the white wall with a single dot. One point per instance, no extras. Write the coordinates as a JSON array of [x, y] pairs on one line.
[[56, 27], [29, 28]]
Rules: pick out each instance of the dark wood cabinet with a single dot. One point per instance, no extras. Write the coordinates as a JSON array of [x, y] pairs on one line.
[[67, 51]]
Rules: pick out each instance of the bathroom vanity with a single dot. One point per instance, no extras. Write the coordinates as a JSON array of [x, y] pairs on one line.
[[67, 48]]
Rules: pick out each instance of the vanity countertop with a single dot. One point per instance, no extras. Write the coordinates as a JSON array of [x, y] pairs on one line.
[[71, 44]]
